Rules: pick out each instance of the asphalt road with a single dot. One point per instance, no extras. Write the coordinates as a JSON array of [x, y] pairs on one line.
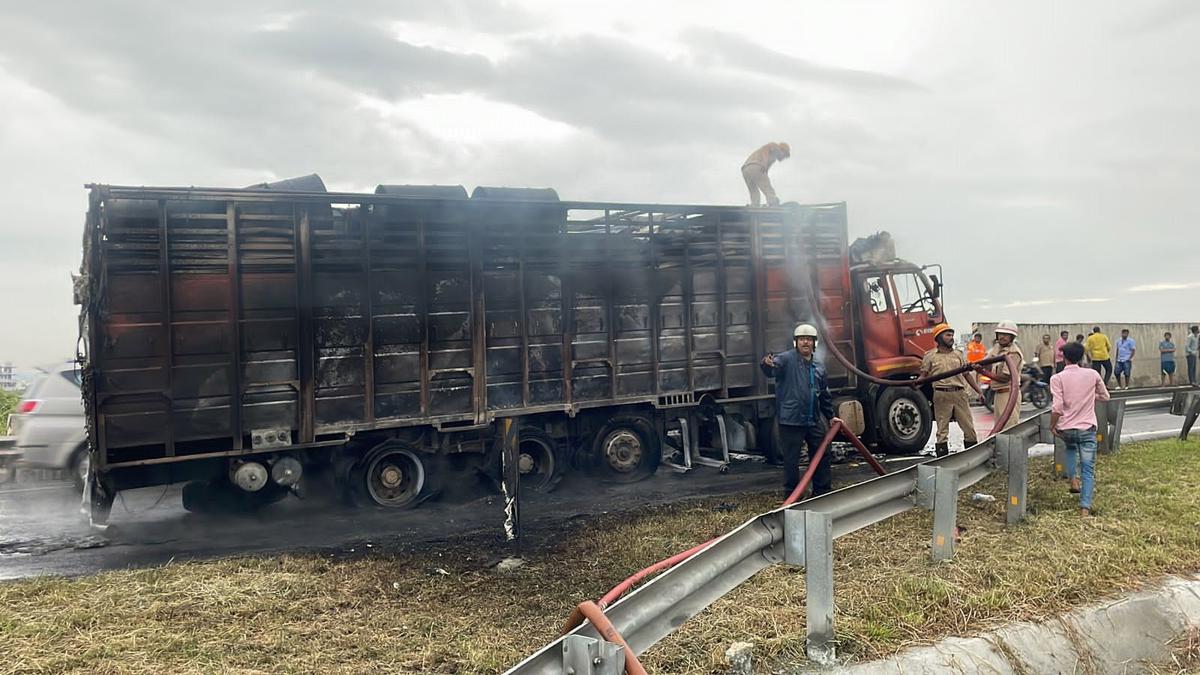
[[42, 531]]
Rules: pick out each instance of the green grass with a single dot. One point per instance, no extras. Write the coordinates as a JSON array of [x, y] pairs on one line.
[[441, 610]]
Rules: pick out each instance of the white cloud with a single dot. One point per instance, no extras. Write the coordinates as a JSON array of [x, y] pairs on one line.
[[470, 119], [1151, 288]]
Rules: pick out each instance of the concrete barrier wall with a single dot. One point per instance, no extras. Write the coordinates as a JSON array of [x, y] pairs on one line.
[[1146, 371]]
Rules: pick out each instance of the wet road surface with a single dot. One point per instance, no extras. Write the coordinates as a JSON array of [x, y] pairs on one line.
[[42, 531]]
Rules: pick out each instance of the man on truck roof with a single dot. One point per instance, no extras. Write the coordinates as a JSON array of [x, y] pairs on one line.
[[804, 408], [755, 168]]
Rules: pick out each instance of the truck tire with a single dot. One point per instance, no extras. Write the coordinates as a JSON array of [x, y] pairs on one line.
[[539, 460], [78, 466], [626, 449], [904, 419], [391, 475]]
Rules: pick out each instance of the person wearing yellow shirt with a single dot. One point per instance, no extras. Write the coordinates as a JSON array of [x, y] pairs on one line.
[[1099, 349]]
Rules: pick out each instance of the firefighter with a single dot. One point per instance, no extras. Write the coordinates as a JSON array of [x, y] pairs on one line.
[[804, 408], [949, 394], [1002, 380], [755, 168]]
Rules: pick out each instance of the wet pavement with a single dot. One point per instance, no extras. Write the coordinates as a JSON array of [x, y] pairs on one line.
[[42, 531]]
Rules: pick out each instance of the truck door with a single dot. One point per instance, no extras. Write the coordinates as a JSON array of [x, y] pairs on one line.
[[878, 320], [917, 312]]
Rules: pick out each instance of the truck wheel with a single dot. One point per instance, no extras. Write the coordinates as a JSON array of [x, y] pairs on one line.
[[80, 460], [538, 460], [392, 475], [905, 419], [626, 450]]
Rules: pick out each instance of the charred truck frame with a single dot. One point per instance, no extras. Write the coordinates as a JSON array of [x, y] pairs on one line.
[[243, 338]]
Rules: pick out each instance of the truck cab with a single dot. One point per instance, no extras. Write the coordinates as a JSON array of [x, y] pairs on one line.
[[897, 307]]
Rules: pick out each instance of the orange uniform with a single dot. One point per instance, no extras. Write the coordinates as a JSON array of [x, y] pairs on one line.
[[975, 351]]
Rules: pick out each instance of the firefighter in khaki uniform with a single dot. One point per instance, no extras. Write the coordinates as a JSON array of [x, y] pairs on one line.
[[1002, 380], [949, 394]]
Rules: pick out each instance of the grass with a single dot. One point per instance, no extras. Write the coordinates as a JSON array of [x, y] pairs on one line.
[[443, 610]]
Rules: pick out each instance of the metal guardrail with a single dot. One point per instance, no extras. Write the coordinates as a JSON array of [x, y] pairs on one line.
[[803, 534]]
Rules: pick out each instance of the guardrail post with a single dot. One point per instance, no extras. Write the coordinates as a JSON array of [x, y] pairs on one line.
[[1060, 458], [587, 656], [1103, 433], [945, 512], [1012, 448], [1116, 416], [1045, 433], [818, 585], [1191, 412], [793, 537]]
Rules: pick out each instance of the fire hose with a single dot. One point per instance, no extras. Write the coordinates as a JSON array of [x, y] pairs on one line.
[[594, 611]]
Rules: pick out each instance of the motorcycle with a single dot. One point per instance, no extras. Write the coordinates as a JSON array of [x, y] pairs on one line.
[[1033, 389]]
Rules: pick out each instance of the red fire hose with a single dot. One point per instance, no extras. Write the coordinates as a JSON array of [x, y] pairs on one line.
[[594, 611]]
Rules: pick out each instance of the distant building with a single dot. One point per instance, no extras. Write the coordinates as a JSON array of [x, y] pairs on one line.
[[8, 377]]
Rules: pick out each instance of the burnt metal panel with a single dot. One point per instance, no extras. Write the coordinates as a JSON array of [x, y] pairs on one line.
[[221, 311]]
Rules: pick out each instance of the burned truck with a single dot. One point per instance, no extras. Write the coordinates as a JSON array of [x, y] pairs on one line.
[[245, 340]]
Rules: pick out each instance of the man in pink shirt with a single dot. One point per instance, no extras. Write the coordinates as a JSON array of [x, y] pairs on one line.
[[1063, 339], [1073, 418]]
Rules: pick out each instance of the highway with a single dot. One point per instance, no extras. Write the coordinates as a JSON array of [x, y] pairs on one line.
[[42, 531]]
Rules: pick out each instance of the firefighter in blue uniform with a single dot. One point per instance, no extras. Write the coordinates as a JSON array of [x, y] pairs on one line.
[[804, 407]]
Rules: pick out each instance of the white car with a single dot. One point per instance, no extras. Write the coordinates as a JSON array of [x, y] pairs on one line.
[[50, 426]]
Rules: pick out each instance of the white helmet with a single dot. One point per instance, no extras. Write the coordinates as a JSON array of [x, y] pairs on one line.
[[1006, 326], [805, 330]]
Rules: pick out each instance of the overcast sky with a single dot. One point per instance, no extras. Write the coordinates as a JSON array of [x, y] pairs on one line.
[[1063, 135]]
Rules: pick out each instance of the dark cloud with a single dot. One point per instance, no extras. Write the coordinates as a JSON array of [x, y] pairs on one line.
[[735, 51], [628, 93], [363, 55]]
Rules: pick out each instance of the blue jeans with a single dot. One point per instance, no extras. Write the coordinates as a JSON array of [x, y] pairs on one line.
[[1083, 443]]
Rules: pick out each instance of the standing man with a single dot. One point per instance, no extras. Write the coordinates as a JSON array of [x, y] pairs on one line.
[[1063, 338], [1126, 349], [1073, 419], [1099, 349], [975, 348], [755, 168], [803, 406], [1190, 348], [1044, 353], [1166, 355], [949, 395], [1004, 383]]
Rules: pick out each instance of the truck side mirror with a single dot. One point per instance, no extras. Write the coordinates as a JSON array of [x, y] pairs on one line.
[[937, 286]]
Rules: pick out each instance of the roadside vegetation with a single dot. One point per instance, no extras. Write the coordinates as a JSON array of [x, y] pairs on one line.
[[8, 405], [443, 609]]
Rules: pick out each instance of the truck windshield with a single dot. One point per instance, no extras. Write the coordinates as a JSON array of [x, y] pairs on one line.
[[913, 294]]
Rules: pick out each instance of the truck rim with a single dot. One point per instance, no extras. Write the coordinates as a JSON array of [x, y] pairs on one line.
[[394, 477], [904, 418], [536, 462], [622, 450]]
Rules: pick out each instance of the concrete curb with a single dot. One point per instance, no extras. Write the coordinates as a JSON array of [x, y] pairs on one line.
[[1119, 636]]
